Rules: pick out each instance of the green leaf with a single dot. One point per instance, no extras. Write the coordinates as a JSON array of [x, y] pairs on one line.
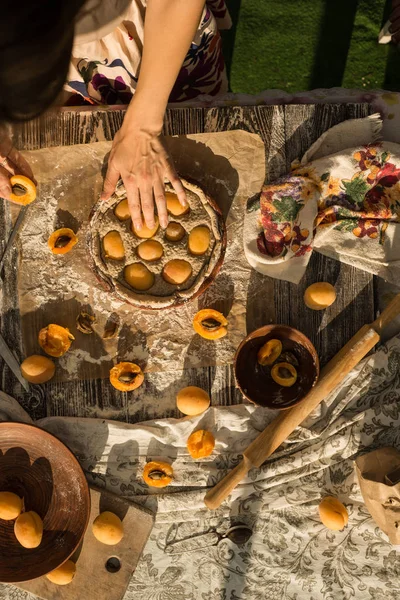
[[356, 189], [384, 156], [347, 225], [287, 209], [325, 176]]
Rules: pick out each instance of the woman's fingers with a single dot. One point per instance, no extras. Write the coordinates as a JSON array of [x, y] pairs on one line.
[[159, 197], [5, 185], [110, 181], [132, 192], [20, 165], [146, 200]]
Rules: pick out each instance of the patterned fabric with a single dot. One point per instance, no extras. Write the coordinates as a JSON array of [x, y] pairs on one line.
[[105, 71], [290, 555]]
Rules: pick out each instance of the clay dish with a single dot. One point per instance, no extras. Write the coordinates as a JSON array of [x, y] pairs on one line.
[[40, 469], [160, 292], [255, 381]]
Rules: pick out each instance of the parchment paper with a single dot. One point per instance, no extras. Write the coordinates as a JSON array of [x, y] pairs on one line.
[[54, 288]]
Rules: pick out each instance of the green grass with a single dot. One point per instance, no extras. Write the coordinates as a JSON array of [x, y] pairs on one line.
[[297, 45]]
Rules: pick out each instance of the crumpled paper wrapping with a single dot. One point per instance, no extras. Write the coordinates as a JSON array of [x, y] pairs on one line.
[[230, 166]]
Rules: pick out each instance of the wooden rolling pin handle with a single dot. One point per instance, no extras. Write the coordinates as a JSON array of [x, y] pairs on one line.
[[391, 312], [221, 490]]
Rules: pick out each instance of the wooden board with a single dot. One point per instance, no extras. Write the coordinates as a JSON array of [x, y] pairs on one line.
[[92, 578], [287, 132]]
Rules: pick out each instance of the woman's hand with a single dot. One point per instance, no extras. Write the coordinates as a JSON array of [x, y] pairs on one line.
[[139, 157], [11, 163]]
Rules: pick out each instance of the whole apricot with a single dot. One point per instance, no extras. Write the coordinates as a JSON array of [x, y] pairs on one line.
[[10, 506], [200, 443], [319, 296], [108, 529], [37, 369], [28, 529], [333, 513], [63, 574], [192, 400]]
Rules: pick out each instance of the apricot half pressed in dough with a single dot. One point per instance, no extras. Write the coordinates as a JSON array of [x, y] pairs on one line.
[[55, 340], [108, 529], [177, 271], [145, 232], [199, 240], [174, 207], [174, 232], [37, 369], [319, 296], [200, 443], [126, 376], [192, 400], [121, 211], [150, 250], [10, 506], [158, 474], [333, 513], [63, 574], [113, 246], [28, 529], [138, 276]]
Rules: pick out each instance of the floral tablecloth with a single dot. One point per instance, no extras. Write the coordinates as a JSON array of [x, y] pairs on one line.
[[290, 555]]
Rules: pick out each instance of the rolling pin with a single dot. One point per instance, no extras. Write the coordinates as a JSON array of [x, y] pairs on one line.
[[282, 426]]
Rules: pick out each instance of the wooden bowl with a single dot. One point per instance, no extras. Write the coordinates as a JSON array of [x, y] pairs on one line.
[[41, 470], [255, 381]]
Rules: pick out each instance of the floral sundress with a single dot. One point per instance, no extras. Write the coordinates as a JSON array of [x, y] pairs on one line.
[[105, 61]]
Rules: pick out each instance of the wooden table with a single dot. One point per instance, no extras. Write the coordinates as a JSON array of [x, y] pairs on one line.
[[287, 132]]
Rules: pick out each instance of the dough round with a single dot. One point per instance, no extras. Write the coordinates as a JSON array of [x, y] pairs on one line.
[[138, 276], [174, 232], [199, 240], [10, 506], [150, 250], [108, 528], [333, 513], [192, 400], [113, 246], [63, 574], [38, 369], [177, 271], [319, 295], [28, 529], [121, 211], [174, 207], [144, 232]]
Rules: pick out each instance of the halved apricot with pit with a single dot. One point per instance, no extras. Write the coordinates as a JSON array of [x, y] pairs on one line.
[[210, 324], [158, 474], [62, 240], [126, 376]]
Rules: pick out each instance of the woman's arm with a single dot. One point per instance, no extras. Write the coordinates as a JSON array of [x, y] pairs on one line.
[[138, 154]]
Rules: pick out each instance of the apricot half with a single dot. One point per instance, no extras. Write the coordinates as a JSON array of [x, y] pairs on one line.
[[10, 506], [177, 271], [284, 374], [150, 250], [37, 369], [145, 232], [210, 324], [62, 241], [139, 277], [174, 207], [319, 296], [113, 246], [28, 529], [63, 574], [121, 211], [107, 528], [333, 513], [55, 340], [158, 474], [23, 190], [200, 443], [269, 352], [126, 376], [199, 240], [174, 232]]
